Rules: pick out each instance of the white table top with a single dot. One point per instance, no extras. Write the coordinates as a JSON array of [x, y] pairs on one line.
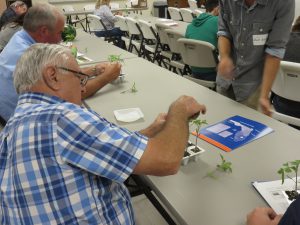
[[85, 12], [96, 48], [189, 195]]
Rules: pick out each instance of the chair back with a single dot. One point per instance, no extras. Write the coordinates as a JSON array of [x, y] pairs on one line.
[[287, 81], [187, 15], [197, 12], [147, 30], [197, 53], [173, 36], [121, 23], [286, 85], [160, 27], [193, 4], [95, 23], [133, 28], [89, 7], [174, 13], [67, 8]]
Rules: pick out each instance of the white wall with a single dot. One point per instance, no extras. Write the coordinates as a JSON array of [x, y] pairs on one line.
[[297, 8]]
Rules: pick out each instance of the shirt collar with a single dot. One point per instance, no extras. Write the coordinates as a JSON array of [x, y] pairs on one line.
[[38, 98]]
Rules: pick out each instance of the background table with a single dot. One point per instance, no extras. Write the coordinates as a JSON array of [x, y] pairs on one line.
[[192, 197]]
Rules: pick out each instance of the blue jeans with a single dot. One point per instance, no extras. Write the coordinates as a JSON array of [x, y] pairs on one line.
[[210, 76], [116, 33]]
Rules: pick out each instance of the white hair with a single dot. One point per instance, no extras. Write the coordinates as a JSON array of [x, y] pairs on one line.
[[37, 57], [41, 14]]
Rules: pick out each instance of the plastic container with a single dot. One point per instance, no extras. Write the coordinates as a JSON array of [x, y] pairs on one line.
[[193, 154]]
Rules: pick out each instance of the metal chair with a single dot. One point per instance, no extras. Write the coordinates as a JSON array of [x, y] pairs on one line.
[[121, 23], [187, 15], [176, 62], [70, 20], [151, 43], [174, 13], [136, 37], [286, 85], [198, 54]]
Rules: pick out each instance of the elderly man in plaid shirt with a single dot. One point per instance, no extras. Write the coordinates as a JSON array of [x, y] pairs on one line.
[[64, 164]]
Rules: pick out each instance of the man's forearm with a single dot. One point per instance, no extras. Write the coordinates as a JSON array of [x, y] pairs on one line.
[[271, 67], [224, 45]]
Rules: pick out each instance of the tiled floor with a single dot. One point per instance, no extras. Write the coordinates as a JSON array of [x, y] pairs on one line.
[[145, 212]]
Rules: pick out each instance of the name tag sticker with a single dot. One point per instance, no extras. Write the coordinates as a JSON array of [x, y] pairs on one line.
[[259, 39]]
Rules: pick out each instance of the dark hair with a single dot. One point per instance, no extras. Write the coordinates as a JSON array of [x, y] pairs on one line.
[[211, 4], [19, 19], [296, 26]]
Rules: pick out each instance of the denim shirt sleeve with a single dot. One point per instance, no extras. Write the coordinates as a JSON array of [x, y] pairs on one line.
[[222, 23], [281, 28]]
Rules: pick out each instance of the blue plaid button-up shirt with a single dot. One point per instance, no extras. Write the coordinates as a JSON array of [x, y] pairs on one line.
[[64, 164]]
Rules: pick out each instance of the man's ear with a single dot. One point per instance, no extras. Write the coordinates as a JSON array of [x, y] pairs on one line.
[[50, 78]]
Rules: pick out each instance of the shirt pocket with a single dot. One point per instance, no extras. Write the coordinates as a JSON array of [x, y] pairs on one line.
[[260, 33], [232, 22]]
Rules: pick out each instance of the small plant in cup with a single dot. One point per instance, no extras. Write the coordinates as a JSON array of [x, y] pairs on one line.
[[284, 171], [115, 58], [197, 123]]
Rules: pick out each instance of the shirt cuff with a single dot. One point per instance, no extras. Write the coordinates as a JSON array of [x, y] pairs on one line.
[[277, 52], [224, 33]]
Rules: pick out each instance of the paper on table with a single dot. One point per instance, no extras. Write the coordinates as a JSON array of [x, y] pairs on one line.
[[272, 192], [128, 115]]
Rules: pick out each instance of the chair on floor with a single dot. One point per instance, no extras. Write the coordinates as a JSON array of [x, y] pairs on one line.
[[198, 54], [165, 53], [72, 19], [176, 63], [187, 15], [95, 24], [174, 13], [286, 85], [136, 37], [151, 45], [193, 4], [121, 23]]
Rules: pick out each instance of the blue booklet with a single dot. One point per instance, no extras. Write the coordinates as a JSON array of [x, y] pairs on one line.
[[234, 132]]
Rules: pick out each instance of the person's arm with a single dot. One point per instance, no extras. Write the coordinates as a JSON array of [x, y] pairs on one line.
[[263, 216], [104, 73], [271, 67], [165, 149], [226, 66], [275, 49]]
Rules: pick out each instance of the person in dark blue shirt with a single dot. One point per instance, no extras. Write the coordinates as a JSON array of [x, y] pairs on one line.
[[14, 10]]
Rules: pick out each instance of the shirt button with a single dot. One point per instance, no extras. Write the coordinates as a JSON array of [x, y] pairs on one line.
[[242, 56], [261, 30], [230, 22], [242, 44], [244, 28]]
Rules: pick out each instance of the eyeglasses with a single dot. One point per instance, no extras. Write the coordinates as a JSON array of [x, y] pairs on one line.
[[78, 74]]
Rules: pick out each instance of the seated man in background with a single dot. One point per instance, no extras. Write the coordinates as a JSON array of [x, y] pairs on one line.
[[64, 164], [15, 9], [43, 23], [205, 28], [292, 54]]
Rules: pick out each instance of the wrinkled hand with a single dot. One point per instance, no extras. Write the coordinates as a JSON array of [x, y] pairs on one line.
[[111, 71], [263, 216], [191, 105], [265, 106], [225, 68]]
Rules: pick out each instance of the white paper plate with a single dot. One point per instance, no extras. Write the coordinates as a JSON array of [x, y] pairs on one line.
[[128, 115]]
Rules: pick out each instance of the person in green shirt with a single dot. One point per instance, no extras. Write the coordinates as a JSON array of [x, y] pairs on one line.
[[205, 28]]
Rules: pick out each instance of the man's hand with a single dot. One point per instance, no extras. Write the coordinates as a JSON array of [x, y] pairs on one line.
[[265, 106], [263, 216], [191, 106], [111, 71], [225, 68], [156, 126]]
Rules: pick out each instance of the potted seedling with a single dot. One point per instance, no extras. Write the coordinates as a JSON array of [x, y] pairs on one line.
[[285, 171], [193, 151], [224, 166], [117, 58]]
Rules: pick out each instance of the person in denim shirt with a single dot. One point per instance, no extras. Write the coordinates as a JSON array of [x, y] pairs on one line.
[[252, 39]]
